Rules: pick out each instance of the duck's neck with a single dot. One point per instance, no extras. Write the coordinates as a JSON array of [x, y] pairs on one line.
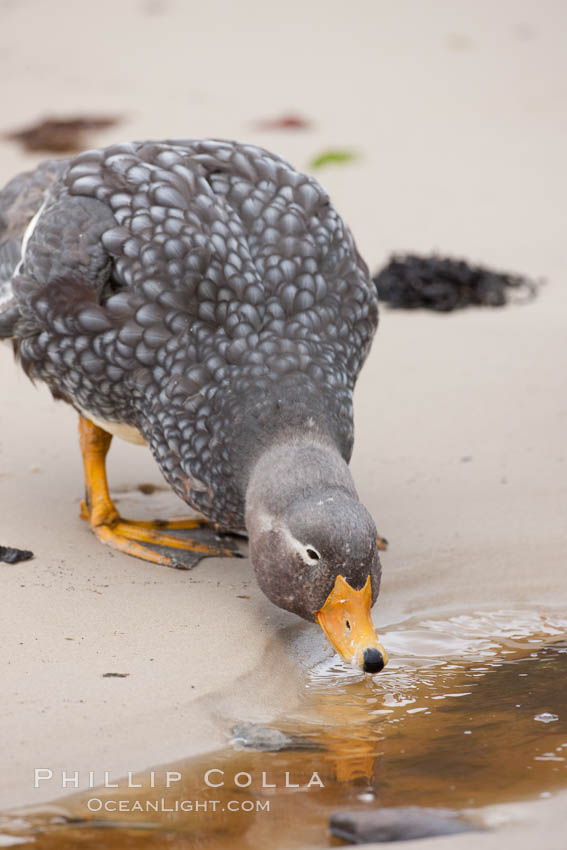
[[292, 467], [285, 434]]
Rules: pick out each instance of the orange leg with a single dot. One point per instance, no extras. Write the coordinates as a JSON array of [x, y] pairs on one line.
[[124, 534]]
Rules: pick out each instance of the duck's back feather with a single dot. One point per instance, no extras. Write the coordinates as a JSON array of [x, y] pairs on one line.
[[197, 290]]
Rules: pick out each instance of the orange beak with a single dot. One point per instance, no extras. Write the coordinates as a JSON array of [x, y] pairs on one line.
[[345, 619]]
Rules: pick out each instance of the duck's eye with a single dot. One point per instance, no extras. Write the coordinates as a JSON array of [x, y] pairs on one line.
[[313, 554]]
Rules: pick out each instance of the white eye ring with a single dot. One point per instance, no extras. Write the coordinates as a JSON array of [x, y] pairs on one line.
[[312, 554]]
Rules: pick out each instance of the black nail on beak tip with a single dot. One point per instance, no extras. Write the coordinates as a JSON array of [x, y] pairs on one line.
[[372, 661]]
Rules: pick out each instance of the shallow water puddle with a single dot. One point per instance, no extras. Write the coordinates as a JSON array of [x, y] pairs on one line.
[[471, 711]]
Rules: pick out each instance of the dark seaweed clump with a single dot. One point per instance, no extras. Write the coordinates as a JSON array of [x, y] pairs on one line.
[[409, 281]]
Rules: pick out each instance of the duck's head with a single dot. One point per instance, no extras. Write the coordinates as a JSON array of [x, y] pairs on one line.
[[314, 553]]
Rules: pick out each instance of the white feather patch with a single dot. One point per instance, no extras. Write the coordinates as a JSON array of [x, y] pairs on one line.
[[6, 292], [117, 429]]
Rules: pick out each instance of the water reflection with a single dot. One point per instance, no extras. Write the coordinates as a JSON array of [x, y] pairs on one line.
[[472, 711]]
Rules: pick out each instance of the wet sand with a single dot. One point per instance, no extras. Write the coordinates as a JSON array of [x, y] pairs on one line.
[[460, 448]]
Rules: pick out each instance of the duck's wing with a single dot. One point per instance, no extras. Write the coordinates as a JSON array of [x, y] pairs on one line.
[[54, 260], [20, 202]]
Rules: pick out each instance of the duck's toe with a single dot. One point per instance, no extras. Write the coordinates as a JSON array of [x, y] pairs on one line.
[[143, 540], [381, 543]]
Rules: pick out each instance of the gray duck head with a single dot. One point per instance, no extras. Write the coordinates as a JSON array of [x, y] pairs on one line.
[[313, 545]]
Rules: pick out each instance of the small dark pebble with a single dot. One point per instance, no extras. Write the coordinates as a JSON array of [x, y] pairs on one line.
[[147, 489], [115, 675], [11, 556], [397, 824], [284, 122], [409, 281]]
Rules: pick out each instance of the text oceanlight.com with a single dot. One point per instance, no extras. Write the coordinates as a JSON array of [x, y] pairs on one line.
[[95, 804]]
